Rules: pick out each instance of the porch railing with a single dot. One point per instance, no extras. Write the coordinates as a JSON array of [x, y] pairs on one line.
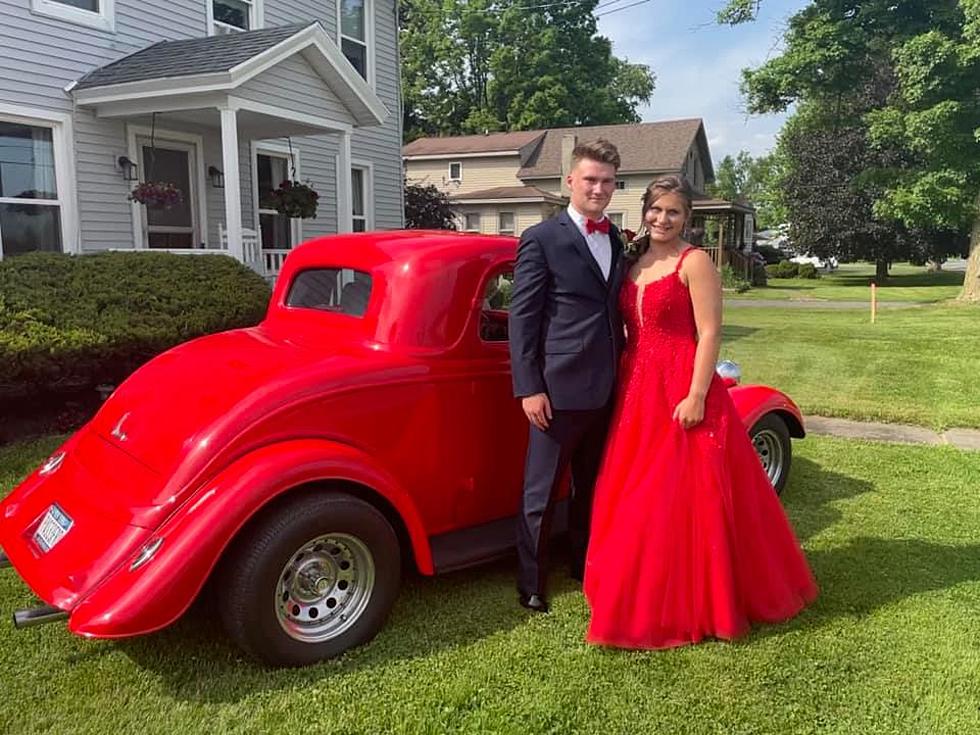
[[274, 258]]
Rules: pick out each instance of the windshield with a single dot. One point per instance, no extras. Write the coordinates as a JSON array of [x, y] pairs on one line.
[[338, 290]]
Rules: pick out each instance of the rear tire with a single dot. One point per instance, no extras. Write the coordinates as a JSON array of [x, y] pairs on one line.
[[770, 439], [314, 577]]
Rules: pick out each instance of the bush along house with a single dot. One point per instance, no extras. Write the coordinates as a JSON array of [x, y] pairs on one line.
[[197, 126]]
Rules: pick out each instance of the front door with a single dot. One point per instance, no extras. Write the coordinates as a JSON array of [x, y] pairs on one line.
[[176, 163]]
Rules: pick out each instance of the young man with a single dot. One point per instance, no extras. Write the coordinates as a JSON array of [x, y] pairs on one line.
[[566, 335]]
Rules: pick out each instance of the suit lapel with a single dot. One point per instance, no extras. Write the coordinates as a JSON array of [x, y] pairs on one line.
[[582, 246], [616, 245]]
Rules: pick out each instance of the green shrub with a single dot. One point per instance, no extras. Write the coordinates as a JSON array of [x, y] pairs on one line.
[[730, 280], [783, 269], [808, 270], [73, 322]]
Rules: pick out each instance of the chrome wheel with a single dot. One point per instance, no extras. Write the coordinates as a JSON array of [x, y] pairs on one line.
[[769, 446], [324, 587]]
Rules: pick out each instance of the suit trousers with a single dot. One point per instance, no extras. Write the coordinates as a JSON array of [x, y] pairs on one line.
[[576, 438]]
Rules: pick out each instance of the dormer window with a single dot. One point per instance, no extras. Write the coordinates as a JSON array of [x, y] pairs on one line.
[[355, 35], [91, 13], [233, 16]]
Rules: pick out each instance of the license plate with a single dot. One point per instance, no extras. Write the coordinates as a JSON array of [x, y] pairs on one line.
[[53, 528]]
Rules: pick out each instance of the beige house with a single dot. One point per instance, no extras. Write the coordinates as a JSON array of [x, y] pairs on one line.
[[506, 182]]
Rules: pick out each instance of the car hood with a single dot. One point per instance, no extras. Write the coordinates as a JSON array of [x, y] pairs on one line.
[[184, 408]]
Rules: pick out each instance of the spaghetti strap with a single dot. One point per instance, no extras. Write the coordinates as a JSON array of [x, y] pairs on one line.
[[680, 260]]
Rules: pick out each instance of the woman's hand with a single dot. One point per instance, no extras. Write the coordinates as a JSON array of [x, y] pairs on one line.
[[689, 412]]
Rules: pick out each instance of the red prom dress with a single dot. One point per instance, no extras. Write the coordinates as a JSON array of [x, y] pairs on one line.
[[689, 539]]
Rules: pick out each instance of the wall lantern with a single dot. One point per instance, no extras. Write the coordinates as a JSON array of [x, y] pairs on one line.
[[128, 168], [217, 177]]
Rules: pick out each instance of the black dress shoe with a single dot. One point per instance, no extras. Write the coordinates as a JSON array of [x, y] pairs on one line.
[[534, 603]]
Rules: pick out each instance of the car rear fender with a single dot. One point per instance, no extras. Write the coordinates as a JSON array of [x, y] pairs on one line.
[[132, 602], [754, 401]]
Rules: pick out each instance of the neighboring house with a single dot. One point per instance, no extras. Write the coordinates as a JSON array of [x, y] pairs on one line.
[[223, 98], [506, 182]]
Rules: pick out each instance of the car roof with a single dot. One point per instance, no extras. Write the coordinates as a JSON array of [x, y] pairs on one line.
[[368, 251]]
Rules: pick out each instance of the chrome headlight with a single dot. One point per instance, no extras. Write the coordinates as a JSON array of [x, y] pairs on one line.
[[729, 371]]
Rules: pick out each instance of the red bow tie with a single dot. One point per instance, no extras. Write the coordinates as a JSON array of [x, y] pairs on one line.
[[601, 226]]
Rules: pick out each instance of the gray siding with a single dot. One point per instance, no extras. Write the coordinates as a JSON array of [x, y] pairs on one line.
[[42, 55]]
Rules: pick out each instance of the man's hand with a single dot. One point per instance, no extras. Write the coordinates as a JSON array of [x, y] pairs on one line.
[[537, 408]]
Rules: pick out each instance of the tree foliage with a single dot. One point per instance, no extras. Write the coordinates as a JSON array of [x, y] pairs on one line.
[[757, 181], [470, 66], [905, 78], [428, 208]]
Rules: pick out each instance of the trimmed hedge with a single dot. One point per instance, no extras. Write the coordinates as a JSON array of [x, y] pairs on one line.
[[789, 269], [72, 322]]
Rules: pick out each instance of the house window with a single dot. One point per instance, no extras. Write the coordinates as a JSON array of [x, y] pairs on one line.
[[360, 178], [276, 229], [616, 218], [92, 13], [30, 210], [355, 17], [620, 185], [456, 171], [233, 16], [471, 221], [505, 223]]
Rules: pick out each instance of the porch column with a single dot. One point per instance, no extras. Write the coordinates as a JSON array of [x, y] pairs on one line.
[[233, 189], [345, 222]]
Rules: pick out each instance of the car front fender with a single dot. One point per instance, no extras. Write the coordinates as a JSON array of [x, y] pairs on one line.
[[754, 401], [132, 602]]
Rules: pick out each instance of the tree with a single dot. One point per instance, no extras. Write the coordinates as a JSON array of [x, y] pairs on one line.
[[756, 181], [484, 65], [928, 53], [428, 208]]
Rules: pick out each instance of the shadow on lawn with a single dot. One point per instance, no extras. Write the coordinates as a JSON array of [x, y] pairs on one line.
[[198, 662], [734, 332]]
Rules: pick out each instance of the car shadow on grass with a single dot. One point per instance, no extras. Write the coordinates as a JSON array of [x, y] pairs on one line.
[[198, 662], [734, 332]]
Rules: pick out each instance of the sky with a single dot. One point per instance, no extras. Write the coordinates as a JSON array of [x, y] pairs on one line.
[[698, 64]]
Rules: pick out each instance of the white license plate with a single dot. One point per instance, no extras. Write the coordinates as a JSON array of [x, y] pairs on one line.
[[53, 528]]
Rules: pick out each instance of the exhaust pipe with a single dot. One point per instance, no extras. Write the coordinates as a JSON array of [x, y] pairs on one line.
[[4, 561], [40, 615]]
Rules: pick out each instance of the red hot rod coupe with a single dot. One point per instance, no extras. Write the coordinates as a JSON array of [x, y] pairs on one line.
[[365, 425]]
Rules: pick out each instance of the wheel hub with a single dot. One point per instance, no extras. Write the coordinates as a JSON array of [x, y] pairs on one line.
[[770, 451], [324, 587]]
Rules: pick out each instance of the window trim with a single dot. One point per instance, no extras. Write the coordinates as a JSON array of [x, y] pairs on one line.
[[449, 173], [368, 168], [279, 150], [62, 140], [103, 20], [256, 17], [368, 42], [513, 214], [621, 185], [479, 221], [140, 232], [622, 223]]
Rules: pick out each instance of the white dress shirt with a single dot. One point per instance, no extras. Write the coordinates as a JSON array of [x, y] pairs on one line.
[[598, 242]]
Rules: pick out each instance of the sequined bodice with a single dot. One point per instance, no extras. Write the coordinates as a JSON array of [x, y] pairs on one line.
[[659, 316]]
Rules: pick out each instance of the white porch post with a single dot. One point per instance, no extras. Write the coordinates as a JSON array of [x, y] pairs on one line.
[[233, 189], [345, 202]]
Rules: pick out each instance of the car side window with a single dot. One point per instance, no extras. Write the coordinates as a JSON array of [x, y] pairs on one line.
[[341, 290], [496, 304]]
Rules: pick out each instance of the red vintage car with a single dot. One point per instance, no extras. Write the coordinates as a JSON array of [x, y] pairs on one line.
[[367, 424]]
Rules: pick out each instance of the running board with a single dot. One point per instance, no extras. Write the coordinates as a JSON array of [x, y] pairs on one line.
[[40, 615]]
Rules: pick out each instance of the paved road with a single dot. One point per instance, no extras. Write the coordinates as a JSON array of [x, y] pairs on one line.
[[967, 439], [815, 304]]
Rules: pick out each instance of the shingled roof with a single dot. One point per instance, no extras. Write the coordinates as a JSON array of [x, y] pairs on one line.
[[643, 147], [455, 145], [509, 193], [194, 56]]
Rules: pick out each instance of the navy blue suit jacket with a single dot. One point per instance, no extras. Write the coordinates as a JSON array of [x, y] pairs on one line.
[[566, 332]]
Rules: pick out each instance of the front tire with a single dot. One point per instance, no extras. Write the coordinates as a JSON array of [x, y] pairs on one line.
[[770, 439], [314, 577]]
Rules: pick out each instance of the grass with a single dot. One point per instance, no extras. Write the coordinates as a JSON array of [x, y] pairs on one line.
[[891, 645], [916, 365], [850, 282]]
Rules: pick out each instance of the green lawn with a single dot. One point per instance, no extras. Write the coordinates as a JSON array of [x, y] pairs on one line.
[[850, 282], [917, 365], [891, 645]]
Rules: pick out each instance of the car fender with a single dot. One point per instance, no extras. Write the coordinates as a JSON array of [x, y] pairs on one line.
[[132, 602], [754, 401]]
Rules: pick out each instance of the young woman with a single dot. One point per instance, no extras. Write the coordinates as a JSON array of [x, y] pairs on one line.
[[688, 537]]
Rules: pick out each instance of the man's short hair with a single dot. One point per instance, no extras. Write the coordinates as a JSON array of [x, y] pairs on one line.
[[600, 150]]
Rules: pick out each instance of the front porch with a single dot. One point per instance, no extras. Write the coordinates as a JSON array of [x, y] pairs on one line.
[[225, 127]]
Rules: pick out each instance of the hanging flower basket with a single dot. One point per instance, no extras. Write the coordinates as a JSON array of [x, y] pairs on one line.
[[294, 199], [156, 194]]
